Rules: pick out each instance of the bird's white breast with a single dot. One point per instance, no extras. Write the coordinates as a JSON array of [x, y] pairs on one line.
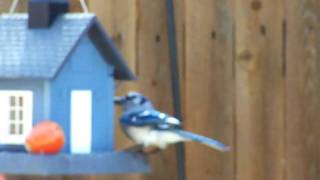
[[138, 134], [150, 137]]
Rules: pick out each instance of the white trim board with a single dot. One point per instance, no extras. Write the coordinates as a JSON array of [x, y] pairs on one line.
[[81, 121]]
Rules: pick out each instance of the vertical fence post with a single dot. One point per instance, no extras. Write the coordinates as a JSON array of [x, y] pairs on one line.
[[175, 85]]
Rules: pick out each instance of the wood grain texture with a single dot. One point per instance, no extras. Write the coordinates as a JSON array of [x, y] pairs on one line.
[[23, 4], [119, 18], [154, 74], [75, 6], [303, 90], [209, 84], [259, 90], [6, 4]]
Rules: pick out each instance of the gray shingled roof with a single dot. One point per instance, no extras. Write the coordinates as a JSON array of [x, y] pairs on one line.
[[39, 53]]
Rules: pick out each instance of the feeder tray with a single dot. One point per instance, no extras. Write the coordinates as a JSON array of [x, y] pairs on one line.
[[66, 164]]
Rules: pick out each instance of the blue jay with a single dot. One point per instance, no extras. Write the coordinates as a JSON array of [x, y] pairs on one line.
[[148, 127]]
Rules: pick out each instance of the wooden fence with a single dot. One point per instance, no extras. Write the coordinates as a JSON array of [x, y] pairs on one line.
[[250, 72]]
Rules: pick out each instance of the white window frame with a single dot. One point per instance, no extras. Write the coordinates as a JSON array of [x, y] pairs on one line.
[[6, 120]]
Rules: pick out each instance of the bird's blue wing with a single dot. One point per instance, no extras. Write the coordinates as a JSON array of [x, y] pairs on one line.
[[151, 117]]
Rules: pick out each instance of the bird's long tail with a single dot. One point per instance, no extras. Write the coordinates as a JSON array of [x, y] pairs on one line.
[[203, 140]]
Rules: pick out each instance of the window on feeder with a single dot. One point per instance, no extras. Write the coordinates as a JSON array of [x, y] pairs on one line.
[[16, 115]]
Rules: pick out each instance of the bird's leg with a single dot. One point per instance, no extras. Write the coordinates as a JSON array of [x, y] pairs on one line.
[[141, 149], [135, 148], [151, 150]]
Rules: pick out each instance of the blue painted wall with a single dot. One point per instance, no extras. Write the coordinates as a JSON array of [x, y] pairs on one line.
[[85, 70]]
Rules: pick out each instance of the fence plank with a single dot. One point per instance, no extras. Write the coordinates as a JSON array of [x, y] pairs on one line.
[[6, 4], [119, 18], [259, 90], [303, 90], [22, 6], [209, 86], [75, 6], [154, 74]]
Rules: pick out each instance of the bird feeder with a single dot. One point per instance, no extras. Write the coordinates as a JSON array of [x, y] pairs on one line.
[[60, 66]]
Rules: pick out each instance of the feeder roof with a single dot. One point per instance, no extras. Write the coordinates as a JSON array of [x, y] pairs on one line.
[[40, 53]]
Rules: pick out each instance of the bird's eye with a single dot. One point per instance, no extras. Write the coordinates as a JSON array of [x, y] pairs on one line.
[[143, 100]]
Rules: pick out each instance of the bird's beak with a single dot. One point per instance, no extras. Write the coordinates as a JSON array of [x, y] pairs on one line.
[[119, 100]]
